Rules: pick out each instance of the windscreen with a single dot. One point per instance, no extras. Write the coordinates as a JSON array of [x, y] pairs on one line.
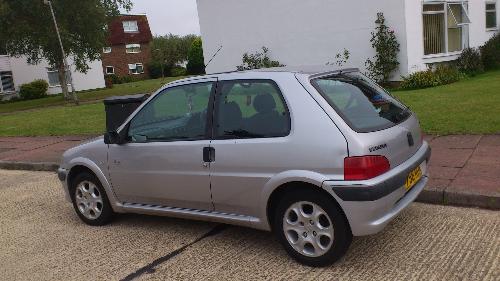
[[364, 105]]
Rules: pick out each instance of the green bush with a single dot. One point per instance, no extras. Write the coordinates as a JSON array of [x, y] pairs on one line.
[[490, 53], [127, 79], [34, 90], [419, 80], [442, 75], [155, 70], [385, 61], [470, 62], [196, 62], [447, 74], [258, 60], [113, 78], [108, 82], [178, 71]]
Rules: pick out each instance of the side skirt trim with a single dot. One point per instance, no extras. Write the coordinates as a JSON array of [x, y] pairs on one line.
[[190, 214]]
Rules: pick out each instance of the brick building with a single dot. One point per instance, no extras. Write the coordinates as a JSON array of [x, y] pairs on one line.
[[129, 46]]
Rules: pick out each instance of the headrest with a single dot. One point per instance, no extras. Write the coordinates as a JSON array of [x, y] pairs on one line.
[[264, 103]]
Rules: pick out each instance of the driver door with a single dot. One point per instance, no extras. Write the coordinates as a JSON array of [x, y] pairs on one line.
[[162, 163]]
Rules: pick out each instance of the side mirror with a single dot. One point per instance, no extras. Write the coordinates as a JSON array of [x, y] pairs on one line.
[[113, 137]]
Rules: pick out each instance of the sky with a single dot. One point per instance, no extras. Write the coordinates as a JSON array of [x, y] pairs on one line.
[[169, 16]]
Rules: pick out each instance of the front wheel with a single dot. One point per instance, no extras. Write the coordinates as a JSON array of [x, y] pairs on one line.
[[90, 201], [312, 228]]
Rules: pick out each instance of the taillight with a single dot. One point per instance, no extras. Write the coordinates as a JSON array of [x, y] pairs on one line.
[[365, 167]]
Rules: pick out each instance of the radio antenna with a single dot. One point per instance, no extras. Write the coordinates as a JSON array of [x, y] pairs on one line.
[[213, 56]]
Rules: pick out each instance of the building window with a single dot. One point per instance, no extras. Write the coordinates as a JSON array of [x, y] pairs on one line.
[[136, 68], [110, 70], [445, 27], [106, 50], [491, 15], [54, 77], [130, 26], [133, 48], [7, 82]]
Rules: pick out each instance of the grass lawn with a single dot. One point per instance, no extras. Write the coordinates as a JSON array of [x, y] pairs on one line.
[[471, 106], [145, 86]]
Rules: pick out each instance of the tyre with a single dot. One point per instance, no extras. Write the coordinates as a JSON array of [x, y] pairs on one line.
[[89, 200], [312, 228]]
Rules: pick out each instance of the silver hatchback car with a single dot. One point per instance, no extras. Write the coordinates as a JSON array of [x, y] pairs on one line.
[[314, 155]]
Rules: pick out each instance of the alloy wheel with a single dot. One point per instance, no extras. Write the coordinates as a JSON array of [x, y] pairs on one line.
[[308, 229], [89, 200]]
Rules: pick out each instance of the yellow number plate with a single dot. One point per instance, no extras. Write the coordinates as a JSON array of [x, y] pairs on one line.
[[413, 178]]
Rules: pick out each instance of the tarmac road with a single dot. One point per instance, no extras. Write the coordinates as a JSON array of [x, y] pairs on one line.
[[41, 238]]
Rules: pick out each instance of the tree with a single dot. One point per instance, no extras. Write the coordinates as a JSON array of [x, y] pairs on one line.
[[258, 60], [386, 46], [169, 50], [28, 30], [196, 62]]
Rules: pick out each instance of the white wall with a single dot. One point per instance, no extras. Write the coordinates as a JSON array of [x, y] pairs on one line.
[[25, 73], [478, 34], [297, 32]]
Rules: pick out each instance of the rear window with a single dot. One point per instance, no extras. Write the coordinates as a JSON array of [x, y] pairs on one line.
[[364, 105]]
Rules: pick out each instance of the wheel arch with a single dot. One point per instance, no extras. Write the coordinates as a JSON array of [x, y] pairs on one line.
[[81, 164], [287, 181]]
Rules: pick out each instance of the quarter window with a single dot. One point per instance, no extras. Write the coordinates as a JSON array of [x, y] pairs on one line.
[[251, 109], [133, 48], [491, 15], [130, 26], [445, 27], [178, 113], [364, 105]]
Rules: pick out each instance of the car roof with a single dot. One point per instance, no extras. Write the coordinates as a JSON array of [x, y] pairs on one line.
[[308, 70]]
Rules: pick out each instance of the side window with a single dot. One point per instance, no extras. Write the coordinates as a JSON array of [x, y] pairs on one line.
[[178, 113], [251, 109]]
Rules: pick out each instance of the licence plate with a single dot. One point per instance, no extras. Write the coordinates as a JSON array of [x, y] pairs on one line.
[[413, 178]]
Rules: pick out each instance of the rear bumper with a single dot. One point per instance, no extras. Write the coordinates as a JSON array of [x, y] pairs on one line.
[[370, 205]]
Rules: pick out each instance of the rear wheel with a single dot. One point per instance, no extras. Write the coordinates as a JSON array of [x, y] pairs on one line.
[[311, 228], [89, 200]]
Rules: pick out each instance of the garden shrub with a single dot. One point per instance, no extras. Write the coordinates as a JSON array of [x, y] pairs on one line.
[[196, 61], [470, 62], [127, 79], [419, 80], [341, 58], [385, 62], [490, 53], [447, 74], [155, 69], [108, 81], [178, 71], [113, 78], [258, 60], [442, 75], [34, 90]]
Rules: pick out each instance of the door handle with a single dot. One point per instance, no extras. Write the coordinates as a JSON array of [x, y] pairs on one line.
[[208, 154]]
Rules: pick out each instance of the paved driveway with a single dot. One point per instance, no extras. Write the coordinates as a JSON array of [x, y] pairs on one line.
[[42, 239]]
